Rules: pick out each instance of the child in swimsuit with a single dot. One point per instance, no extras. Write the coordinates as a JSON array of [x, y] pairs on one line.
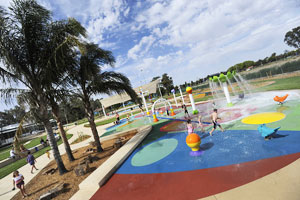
[[189, 126], [185, 110], [214, 118]]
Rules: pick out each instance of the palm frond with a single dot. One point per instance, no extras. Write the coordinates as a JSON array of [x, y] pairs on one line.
[[8, 94], [19, 132], [113, 82]]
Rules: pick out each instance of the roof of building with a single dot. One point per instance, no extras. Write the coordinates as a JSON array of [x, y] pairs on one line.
[[150, 88]]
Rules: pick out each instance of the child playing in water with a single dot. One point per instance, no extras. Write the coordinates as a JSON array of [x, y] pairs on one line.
[[185, 110], [214, 118], [18, 180], [190, 126], [200, 123]]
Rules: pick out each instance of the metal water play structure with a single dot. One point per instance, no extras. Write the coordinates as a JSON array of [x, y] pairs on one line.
[[173, 92], [222, 79], [158, 101], [189, 90]]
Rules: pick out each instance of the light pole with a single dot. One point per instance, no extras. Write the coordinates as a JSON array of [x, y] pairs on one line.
[[144, 100], [161, 85], [103, 109]]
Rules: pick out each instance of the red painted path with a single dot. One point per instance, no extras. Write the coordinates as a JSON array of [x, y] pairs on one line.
[[189, 184]]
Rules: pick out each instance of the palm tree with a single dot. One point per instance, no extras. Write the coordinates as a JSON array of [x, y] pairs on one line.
[[25, 98], [90, 80], [33, 50], [56, 113]]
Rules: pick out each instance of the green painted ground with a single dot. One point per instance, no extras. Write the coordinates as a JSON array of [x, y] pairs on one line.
[[154, 152], [291, 122]]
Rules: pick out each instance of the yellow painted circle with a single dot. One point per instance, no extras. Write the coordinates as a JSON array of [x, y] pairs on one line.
[[263, 118]]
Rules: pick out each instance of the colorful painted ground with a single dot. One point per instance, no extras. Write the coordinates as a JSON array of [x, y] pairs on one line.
[[161, 167]]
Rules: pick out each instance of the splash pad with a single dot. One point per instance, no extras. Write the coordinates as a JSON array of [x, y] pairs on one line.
[[229, 160]]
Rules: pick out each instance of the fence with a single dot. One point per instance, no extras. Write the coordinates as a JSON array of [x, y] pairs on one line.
[[285, 68]]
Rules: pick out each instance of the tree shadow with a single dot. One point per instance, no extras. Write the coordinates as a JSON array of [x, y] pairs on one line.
[[206, 146], [6, 193], [40, 189]]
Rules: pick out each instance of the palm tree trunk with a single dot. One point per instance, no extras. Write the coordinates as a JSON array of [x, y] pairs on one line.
[[55, 111], [60, 165], [90, 115]]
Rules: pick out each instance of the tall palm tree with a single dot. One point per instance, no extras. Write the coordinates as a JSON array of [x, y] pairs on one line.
[[25, 98], [90, 80], [56, 112], [33, 50]]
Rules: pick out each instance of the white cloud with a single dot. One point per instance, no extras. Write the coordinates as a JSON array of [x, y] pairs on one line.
[[4, 3], [212, 35], [186, 39], [141, 48]]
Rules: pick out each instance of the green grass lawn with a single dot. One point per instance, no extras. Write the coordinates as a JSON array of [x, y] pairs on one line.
[[205, 98], [107, 121], [4, 171], [4, 153], [282, 84]]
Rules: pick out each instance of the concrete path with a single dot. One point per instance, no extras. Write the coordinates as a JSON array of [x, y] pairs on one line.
[[282, 184], [6, 183]]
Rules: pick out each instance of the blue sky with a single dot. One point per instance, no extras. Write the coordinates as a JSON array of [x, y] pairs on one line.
[[186, 39]]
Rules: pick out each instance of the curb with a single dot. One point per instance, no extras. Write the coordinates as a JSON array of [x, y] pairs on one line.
[[88, 188]]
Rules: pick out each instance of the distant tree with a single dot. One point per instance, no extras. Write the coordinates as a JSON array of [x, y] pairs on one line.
[[6, 118], [18, 112], [167, 82], [272, 58], [12, 116], [72, 109], [292, 38], [155, 78]]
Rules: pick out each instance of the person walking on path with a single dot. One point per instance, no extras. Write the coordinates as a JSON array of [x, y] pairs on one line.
[[18, 180], [31, 160]]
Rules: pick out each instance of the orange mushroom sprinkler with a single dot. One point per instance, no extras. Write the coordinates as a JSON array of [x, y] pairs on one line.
[[193, 140]]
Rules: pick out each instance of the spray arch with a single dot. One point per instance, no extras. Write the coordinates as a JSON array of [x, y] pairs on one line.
[[159, 101]]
